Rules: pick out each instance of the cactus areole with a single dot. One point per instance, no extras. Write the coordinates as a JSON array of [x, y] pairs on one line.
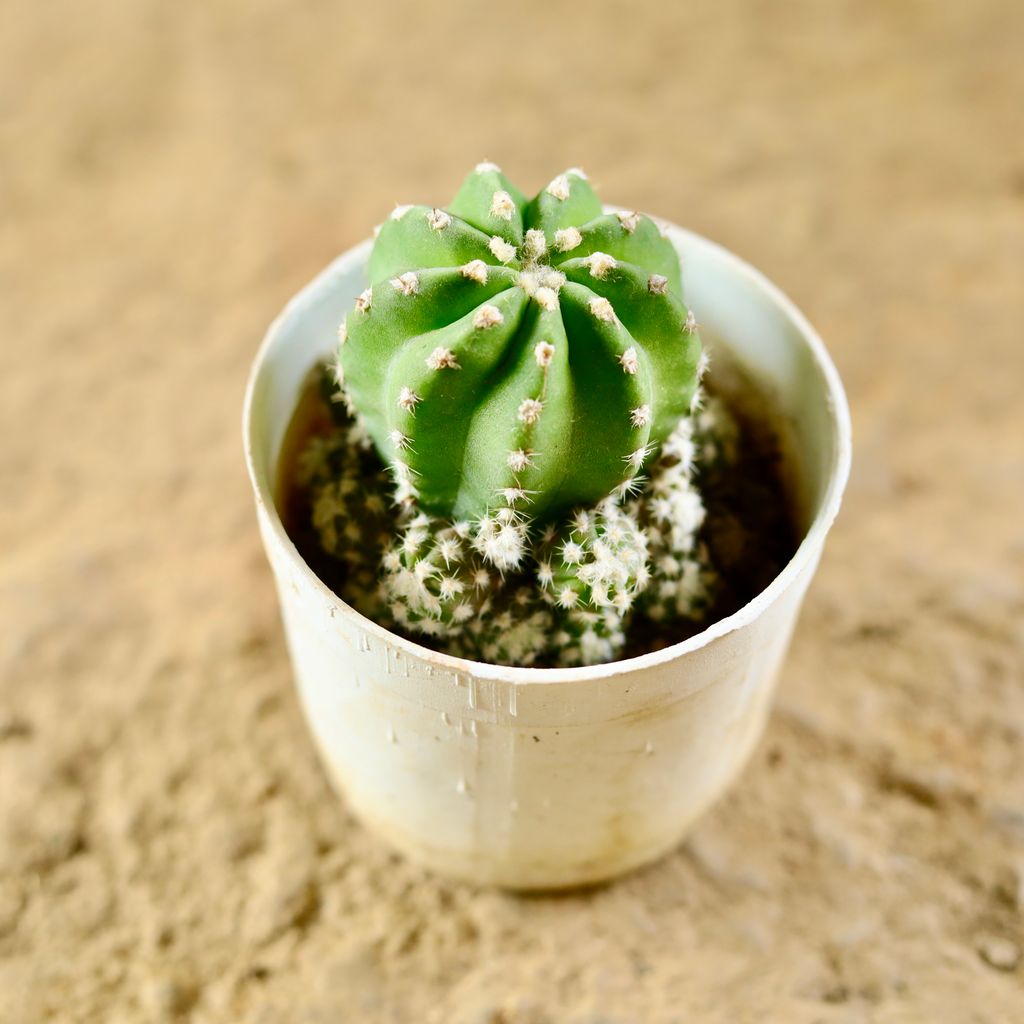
[[513, 354]]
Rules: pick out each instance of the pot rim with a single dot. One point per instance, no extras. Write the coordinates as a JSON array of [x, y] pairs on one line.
[[810, 544]]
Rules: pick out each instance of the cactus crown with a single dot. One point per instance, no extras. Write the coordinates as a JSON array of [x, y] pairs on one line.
[[519, 357]]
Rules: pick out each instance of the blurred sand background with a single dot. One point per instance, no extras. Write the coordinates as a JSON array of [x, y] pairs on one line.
[[169, 175]]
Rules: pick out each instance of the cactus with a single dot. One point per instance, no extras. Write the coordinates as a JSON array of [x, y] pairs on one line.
[[520, 356], [578, 585], [529, 375]]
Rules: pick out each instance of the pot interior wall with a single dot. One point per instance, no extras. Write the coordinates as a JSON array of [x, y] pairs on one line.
[[750, 328]]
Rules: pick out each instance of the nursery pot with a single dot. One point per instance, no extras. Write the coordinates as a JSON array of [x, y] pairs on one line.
[[541, 778]]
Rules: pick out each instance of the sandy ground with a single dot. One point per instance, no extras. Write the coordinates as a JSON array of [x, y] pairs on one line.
[[169, 175]]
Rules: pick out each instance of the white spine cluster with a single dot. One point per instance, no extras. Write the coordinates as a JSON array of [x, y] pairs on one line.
[[703, 364], [502, 251], [475, 270], [501, 539], [568, 239], [547, 299], [442, 359], [407, 399], [502, 205], [530, 410], [520, 460], [407, 283], [535, 246], [600, 264], [629, 220], [487, 316], [438, 219], [551, 278], [559, 188], [602, 309], [640, 416]]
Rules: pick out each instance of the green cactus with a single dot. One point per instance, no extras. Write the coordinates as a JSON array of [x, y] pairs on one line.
[[519, 356], [578, 585], [529, 375]]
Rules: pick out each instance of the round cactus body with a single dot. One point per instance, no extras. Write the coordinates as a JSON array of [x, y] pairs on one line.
[[514, 355]]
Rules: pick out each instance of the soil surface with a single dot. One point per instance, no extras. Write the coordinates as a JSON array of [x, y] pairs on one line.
[[171, 173]]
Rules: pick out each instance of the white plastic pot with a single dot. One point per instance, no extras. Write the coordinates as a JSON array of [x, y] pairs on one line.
[[540, 778]]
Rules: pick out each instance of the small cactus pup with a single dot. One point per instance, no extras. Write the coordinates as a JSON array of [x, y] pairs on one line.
[[519, 355]]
